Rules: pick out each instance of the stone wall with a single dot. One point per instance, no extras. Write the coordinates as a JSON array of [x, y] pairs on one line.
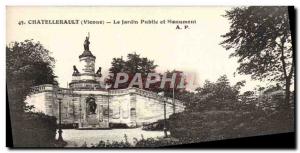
[[131, 106]]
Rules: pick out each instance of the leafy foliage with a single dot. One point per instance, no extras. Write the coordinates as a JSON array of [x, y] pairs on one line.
[[210, 125], [134, 64], [35, 130], [139, 143], [137, 64], [221, 90], [219, 111], [261, 39], [28, 64], [25, 58], [179, 92], [215, 92]]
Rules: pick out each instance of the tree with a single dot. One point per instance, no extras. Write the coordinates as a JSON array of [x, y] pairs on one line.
[[29, 61], [179, 92], [137, 64], [217, 94], [28, 64], [221, 90], [248, 97], [134, 64], [117, 66], [261, 39]]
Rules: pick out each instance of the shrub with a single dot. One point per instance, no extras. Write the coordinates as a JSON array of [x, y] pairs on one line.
[[34, 130], [219, 124]]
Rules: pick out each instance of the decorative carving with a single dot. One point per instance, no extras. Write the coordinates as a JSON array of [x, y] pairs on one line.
[[75, 70], [99, 72]]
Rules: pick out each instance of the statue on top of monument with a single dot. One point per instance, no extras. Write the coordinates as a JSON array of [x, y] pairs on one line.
[[87, 43], [99, 72]]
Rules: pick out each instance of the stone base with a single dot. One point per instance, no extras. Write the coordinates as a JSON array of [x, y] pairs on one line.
[[92, 122], [99, 128], [92, 119]]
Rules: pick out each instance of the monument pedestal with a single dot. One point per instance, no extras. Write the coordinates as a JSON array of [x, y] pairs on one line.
[[92, 122], [92, 119]]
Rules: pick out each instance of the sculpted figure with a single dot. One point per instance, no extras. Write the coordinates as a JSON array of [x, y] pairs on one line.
[[86, 44], [99, 72], [75, 70], [91, 105]]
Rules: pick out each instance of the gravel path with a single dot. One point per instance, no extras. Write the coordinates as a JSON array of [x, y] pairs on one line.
[[76, 138]]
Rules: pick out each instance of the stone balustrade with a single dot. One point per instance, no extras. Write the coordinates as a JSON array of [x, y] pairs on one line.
[[145, 93], [154, 95], [42, 88]]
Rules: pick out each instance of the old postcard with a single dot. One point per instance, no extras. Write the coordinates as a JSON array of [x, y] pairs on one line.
[[144, 77]]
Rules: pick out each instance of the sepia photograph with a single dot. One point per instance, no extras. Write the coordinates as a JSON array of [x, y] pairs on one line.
[[149, 77]]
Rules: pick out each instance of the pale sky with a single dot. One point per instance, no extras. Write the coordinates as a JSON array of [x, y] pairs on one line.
[[196, 50]]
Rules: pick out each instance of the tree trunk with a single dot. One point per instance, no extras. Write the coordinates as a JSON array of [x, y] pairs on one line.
[[287, 91], [287, 76]]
